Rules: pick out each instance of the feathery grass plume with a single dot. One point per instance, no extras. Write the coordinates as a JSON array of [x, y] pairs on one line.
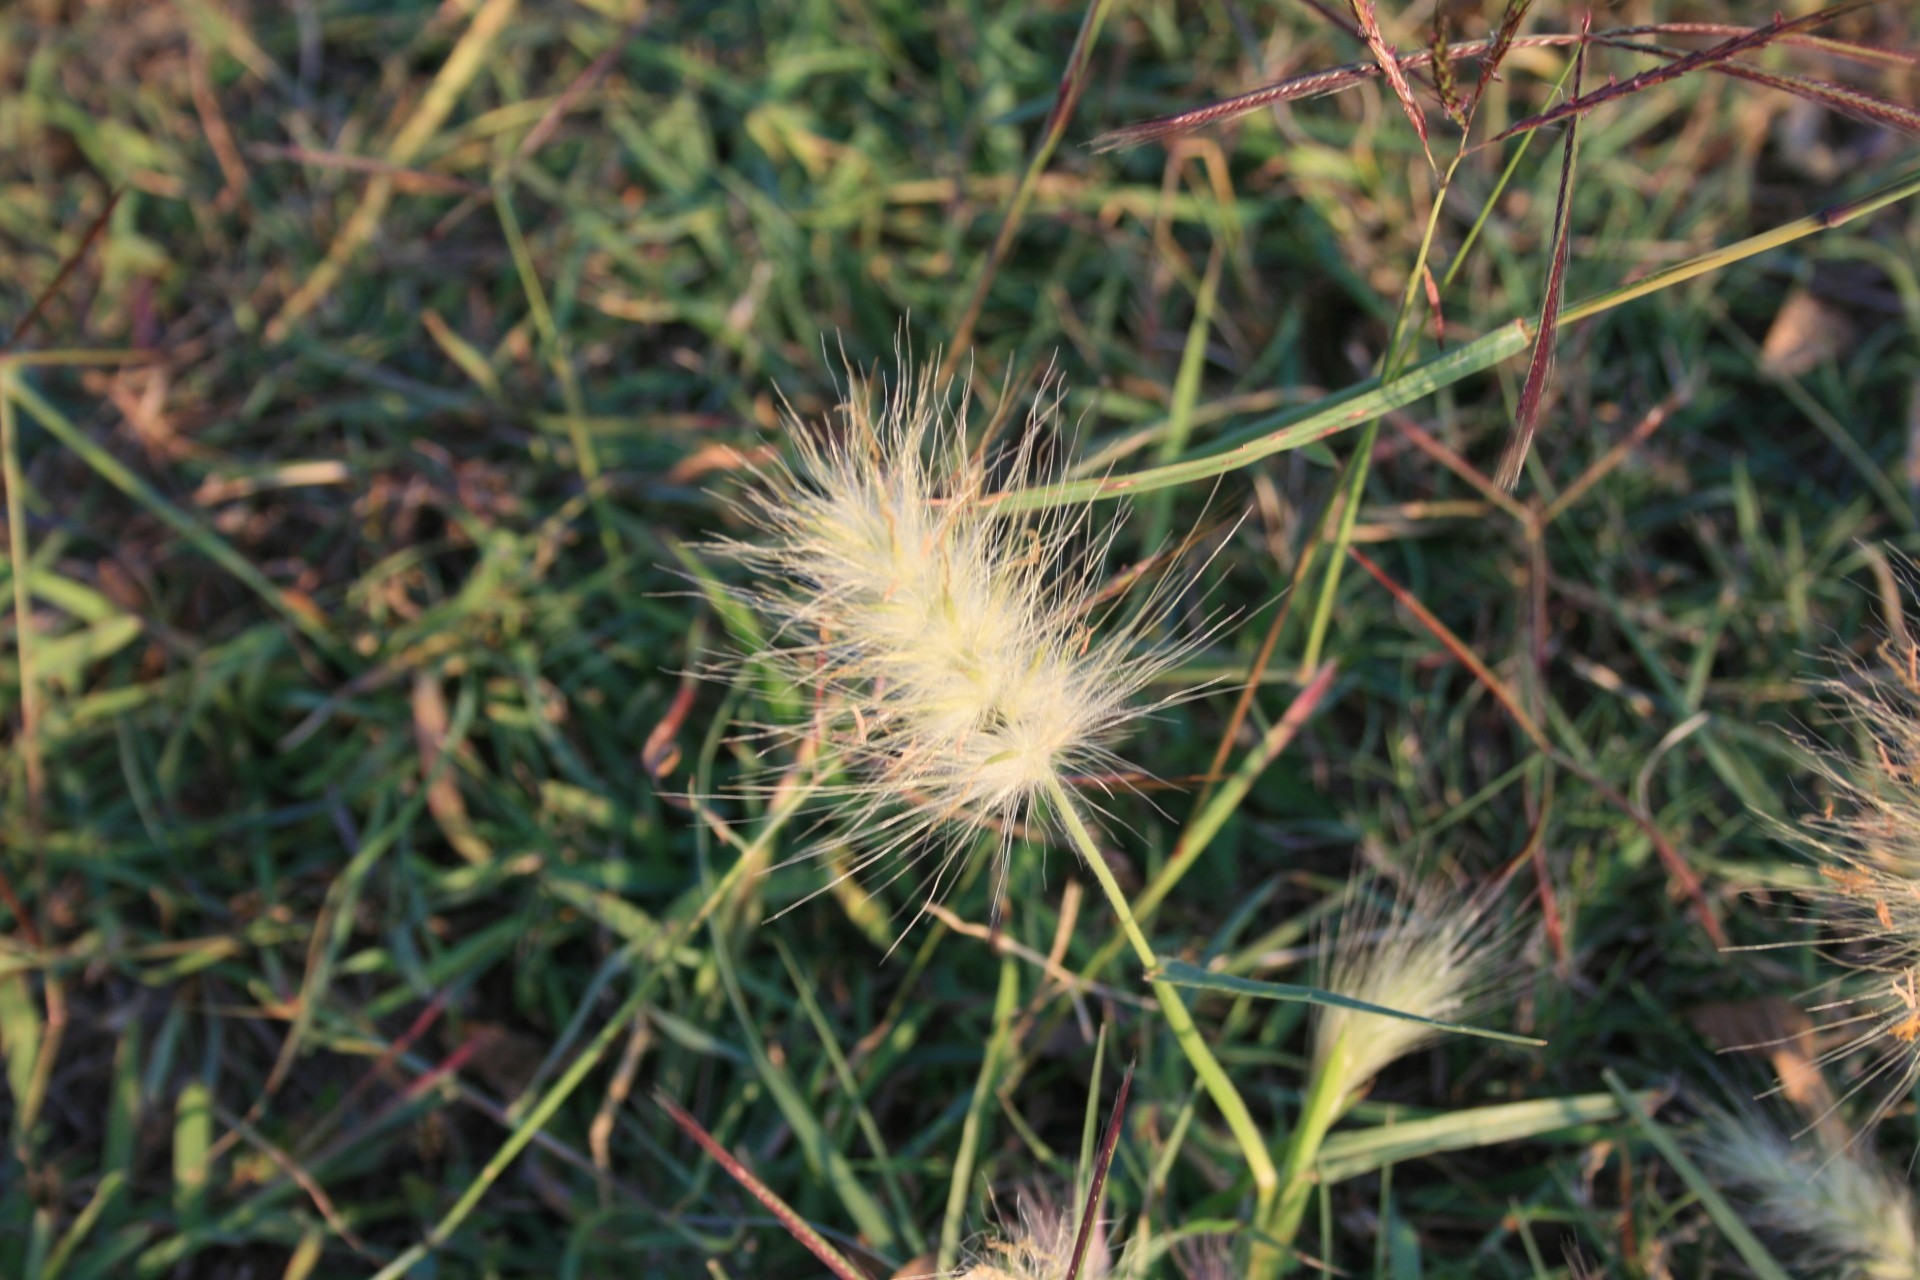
[[1849, 1217], [1433, 953], [1866, 849], [1039, 1248], [952, 648]]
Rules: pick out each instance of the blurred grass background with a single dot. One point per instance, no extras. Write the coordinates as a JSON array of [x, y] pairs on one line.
[[348, 733]]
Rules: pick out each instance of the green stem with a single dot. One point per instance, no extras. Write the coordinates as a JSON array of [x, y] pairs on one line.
[[1318, 1110], [1233, 1108]]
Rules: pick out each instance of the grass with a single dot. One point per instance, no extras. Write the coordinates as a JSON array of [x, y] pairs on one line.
[[354, 903]]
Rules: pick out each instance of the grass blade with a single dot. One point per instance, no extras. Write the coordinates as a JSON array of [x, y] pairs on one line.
[[1744, 1242], [466, 61], [1006, 1004], [1353, 1152], [204, 539], [1180, 973], [1368, 399], [1090, 1214], [796, 1226], [1351, 408], [59, 280]]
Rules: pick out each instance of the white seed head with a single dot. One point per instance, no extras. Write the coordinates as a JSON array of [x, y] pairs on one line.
[[1432, 954], [952, 648], [1865, 849], [1847, 1216]]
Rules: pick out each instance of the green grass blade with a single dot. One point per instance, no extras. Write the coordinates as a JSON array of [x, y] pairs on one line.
[[1181, 973], [203, 539], [1005, 1004], [1352, 408], [1353, 1152], [1743, 1240]]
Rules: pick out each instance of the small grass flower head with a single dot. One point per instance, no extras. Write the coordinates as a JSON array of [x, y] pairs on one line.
[[952, 648], [1039, 1248], [1432, 953], [1847, 1216]]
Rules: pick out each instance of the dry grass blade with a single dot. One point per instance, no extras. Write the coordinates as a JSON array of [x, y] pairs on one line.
[[1388, 61], [1747, 42], [1540, 367], [1501, 45], [66, 269], [1090, 1215], [796, 1226]]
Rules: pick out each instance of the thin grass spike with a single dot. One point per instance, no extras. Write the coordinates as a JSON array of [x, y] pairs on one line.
[[1526, 418], [1388, 61]]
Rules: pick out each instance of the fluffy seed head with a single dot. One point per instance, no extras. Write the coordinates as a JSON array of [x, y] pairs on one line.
[[1432, 954], [1040, 1248], [1849, 1217], [952, 648], [1865, 848]]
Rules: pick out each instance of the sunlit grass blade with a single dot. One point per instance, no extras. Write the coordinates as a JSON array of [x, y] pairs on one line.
[[1350, 1153], [1181, 973]]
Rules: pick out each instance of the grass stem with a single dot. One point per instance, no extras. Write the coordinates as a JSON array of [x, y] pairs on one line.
[[1219, 1087]]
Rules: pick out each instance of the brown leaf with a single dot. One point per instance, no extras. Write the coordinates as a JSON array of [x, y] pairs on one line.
[[1785, 1035], [661, 753], [1805, 332], [444, 801]]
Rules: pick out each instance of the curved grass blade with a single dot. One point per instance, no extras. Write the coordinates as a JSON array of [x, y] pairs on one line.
[[1368, 399], [1180, 973]]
